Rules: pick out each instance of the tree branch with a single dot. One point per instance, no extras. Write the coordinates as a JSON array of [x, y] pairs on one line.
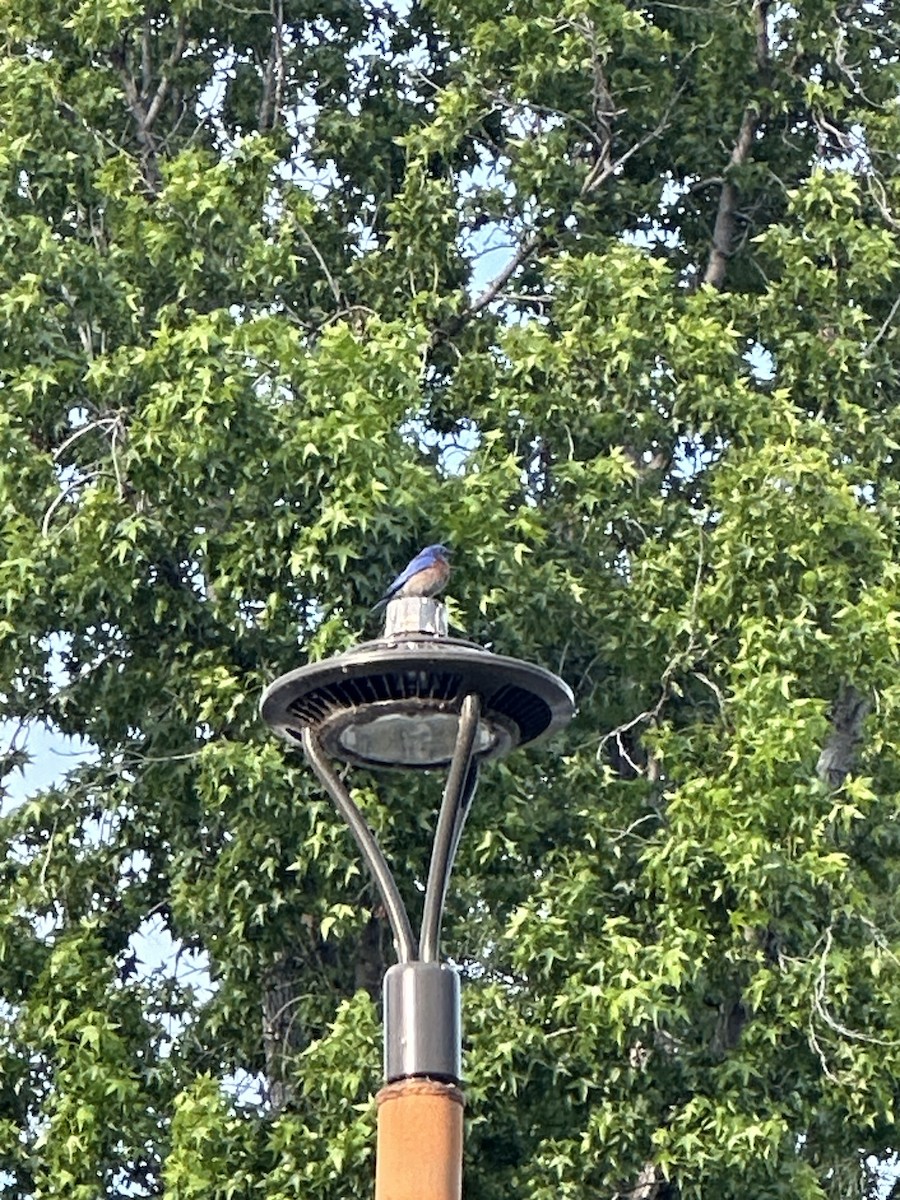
[[885, 326], [269, 115], [493, 289], [725, 227], [166, 78], [603, 169], [146, 56], [143, 108]]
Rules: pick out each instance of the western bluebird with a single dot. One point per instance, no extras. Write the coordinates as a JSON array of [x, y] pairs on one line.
[[424, 575]]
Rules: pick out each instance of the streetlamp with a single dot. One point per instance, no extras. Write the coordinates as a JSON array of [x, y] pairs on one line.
[[416, 699]]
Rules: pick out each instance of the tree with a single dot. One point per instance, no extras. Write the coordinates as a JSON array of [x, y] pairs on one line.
[[605, 295]]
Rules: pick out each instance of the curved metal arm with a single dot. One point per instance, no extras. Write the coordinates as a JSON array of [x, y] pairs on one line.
[[368, 846], [454, 806]]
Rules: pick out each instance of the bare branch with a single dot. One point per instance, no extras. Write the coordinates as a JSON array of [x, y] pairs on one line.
[[166, 78], [144, 111], [885, 326], [269, 115], [602, 170], [879, 196], [63, 496], [145, 139], [603, 110], [146, 57], [629, 832], [522, 107], [279, 60], [821, 1010], [314, 249], [725, 227], [493, 289], [100, 423], [724, 230]]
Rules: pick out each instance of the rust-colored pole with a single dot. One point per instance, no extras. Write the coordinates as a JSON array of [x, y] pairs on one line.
[[420, 1140]]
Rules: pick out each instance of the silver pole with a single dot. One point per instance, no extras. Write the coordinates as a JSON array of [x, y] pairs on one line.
[[449, 827], [422, 1022]]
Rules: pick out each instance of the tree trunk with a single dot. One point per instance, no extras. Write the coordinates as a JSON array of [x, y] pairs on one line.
[[838, 755], [282, 1033]]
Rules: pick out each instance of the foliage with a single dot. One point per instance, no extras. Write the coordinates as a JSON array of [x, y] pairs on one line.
[[604, 296]]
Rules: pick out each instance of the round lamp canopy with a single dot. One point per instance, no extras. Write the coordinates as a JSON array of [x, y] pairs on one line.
[[396, 702]]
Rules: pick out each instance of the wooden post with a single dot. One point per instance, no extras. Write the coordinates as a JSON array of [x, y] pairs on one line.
[[420, 1140]]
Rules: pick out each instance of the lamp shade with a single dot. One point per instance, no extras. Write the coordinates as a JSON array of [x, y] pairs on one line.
[[396, 702]]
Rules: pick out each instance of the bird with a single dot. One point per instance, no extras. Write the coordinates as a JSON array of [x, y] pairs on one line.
[[424, 575]]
